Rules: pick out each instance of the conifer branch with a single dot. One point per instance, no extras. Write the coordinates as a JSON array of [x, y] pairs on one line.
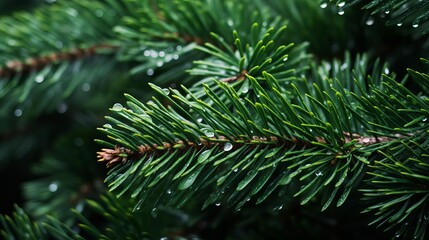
[[122, 155], [37, 63]]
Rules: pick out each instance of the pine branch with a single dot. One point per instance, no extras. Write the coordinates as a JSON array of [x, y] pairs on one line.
[[409, 13]]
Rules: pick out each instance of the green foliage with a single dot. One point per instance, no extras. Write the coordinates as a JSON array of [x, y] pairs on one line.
[[21, 226], [261, 133], [409, 13], [70, 24]]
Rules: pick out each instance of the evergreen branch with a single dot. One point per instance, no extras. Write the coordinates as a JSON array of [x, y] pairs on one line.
[[249, 57], [73, 26], [399, 189], [21, 226], [332, 154], [400, 12], [14, 67], [157, 38]]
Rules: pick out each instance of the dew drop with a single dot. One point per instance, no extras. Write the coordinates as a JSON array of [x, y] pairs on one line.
[[59, 44], [53, 187], [399, 24], [18, 112], [227, 147], [178, 48], [217, 204], [62, 108], [323, 4], [175, 56], [150, 72], [86, 87], [341, 12], [318, 174], [146, 53], [99, 12], [285, 59], [341, 4], [154, 212], [199, 120], [166, 91], [230, 22], [245, 90], [159, 63], [387, 11], [236, 170], [162, 54], [169, 191], [209, 134], [39, 79], [107, 125], [386, 71], [153, 54], [370, 21], [117, 107], [72, 12], [415, 24]]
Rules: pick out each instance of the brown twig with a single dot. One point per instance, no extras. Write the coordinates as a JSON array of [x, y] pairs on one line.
[[35, 63], [122, 155]]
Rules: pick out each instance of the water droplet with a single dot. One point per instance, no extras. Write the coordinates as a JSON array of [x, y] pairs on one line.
[[59, 44], [53, 187], [169, 191], [230, 22], [415, 24], [159, 63], [117, 107], [285, 59], [86, 87], [164, 238], [72, 12], [399, 24], [341, 4], [150, 72], [217, 204], [199, 120], [146, 117], [166, 91], [227, 147], [99, 12], [323, 4], [80, 206], [370, 21], [161, 54], [386, 71], [236, 170], [178, 48], [209, 134], [39, 78], [318, 174], [153, 54], [245, 90], [154, 212], [18, 112], [146, 53], [341, 12], [62, 108], [387, 11], [107, 125], [175, 56]]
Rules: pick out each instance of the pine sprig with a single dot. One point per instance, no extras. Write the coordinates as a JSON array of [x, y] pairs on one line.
[[261, 133], [69, 33], [410, 13]]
